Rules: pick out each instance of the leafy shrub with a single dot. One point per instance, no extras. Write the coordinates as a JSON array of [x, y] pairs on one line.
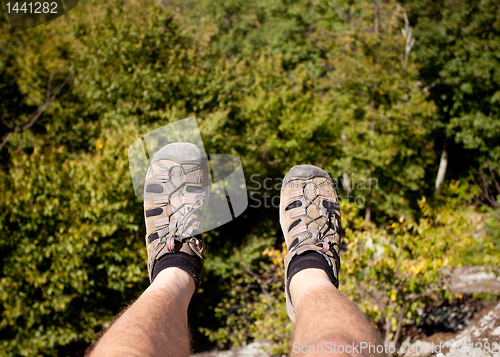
[[394, 271], [255, 307], [390, 273], [73, 253]]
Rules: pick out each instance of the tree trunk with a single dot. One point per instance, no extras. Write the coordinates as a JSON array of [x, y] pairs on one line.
[[368, 211], [443, 164], [346, 182]]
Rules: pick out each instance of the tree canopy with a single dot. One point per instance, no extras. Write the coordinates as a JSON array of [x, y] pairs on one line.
[[368, 90]]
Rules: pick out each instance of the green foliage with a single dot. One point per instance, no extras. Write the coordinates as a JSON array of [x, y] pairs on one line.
[[390, 273], [393, 272], [457, 42], [72, 254], [276, 83], [483, 248], [493, 226], [255, 307]]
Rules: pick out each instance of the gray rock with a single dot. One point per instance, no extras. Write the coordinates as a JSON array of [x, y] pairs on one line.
[[496, 332], [419, 349], [254, 349], [474, 279], [469, 341]]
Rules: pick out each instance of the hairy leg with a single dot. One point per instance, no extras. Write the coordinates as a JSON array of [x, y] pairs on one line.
[[156, 324], [326, 318]]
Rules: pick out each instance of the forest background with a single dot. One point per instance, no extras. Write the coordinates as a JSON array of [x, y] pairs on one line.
[[399, 102]]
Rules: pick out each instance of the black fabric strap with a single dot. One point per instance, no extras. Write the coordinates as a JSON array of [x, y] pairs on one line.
[[310, 259], [191, 264]]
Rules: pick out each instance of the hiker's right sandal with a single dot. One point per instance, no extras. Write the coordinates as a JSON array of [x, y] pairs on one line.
[[175, 198], [310, 220]]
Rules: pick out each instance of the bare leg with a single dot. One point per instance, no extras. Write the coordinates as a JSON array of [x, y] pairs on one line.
[[327, 318], [156, 324]]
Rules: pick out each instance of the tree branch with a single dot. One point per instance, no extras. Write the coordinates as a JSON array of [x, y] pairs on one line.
[[257, 278], [5, 122], [387, 329], [400, 324], [49, 98], [486, 184], [307, 35], [6, 139], [407, 34], [493, 176], [13, 80]]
